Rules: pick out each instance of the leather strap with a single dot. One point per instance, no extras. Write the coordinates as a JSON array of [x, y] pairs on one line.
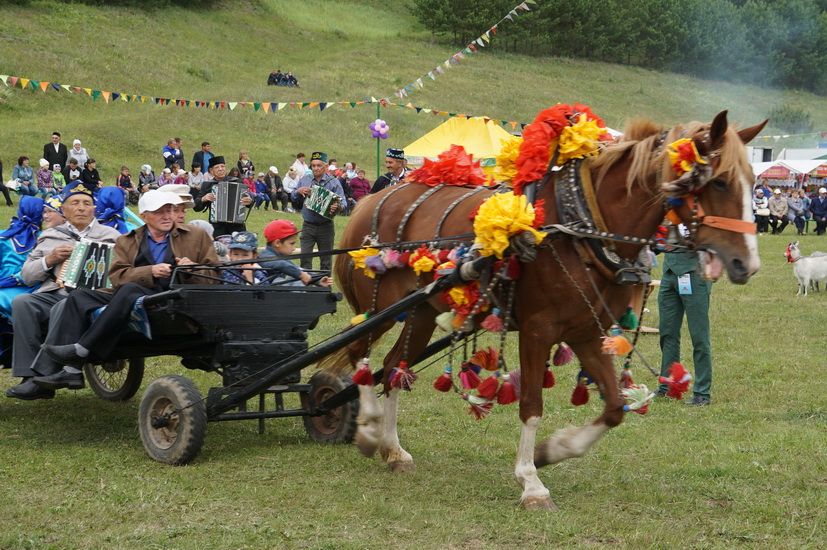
[[719, 222]]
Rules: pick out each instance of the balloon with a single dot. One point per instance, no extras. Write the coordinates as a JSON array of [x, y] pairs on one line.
[[379, 129]]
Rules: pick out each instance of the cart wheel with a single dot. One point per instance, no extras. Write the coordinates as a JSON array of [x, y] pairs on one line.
[[337, 426], [115, 380], [172, 420]]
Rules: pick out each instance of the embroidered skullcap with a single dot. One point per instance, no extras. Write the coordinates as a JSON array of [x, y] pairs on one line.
[[395, 154], [318, 155]]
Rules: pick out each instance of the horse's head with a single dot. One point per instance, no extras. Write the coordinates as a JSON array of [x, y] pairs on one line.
[[717, 207]]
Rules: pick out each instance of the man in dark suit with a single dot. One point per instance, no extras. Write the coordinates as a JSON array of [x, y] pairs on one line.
[[395, 163], [55, 152]]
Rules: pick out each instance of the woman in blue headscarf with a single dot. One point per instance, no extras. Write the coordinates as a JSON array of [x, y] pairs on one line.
[[15, 244], [109, 208]]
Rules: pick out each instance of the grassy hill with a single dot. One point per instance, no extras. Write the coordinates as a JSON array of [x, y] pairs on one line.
[[340, 51]]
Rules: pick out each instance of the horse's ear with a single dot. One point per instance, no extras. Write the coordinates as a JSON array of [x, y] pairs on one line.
[[717, 130], [748, 134]]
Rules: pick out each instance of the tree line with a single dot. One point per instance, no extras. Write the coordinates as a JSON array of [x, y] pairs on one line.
[[779, 43]]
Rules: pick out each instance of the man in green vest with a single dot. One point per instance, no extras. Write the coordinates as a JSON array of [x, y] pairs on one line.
[[683, 290]]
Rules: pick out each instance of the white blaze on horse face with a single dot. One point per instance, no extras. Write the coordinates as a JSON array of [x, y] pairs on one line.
[[525, 471], [750, 241]]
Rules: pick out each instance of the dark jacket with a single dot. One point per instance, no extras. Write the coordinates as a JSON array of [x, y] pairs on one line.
[[818, 207], [91, 179], [61, 156]]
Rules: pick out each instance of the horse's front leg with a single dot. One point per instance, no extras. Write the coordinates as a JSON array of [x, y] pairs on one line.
[[533, 357], [575, 441]]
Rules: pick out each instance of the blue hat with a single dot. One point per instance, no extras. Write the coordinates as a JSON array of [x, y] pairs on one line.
[[243, 240], [54, 203], [76, 188]]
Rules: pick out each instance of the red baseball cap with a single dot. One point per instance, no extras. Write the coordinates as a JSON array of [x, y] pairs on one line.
[[277, 230]]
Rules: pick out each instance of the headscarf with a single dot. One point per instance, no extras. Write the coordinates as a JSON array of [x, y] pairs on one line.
[[109, 209], [25, 226]]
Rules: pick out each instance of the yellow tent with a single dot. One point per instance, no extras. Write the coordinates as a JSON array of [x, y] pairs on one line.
[[480, 138]]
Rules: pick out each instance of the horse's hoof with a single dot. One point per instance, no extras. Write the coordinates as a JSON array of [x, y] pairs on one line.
[[400, 467], [539, 503], [367, 444]]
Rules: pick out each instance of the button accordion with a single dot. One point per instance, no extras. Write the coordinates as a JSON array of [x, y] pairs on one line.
[[227, 207], [88, 266], [321, 200]]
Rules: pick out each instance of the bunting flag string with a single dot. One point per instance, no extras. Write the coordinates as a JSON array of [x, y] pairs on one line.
[[822, 135], [265, 106], [473, 47]]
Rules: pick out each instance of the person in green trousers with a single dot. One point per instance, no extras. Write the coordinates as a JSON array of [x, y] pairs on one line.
[[684, 291]]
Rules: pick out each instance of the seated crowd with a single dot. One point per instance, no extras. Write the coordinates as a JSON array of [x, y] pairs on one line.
[[278, 78], [774, 210]]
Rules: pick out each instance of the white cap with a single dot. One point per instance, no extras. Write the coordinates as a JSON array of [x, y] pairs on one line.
[[777, 191], [154, 200], [274, 170], [146, 168], [44, 163], [822, 190], [76, 142], [180, 189], [167, 171]]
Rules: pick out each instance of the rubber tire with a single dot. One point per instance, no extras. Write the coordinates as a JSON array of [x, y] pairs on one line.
[[187, 433], [338, 426], [130, 386]]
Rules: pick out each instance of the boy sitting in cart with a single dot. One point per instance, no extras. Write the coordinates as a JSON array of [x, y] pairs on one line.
[[243, 246], [281, 236]]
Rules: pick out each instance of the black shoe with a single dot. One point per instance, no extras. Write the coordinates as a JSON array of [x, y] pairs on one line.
[[699, 401], [60, 380], [65, 355], [660, 393], [29, 391]]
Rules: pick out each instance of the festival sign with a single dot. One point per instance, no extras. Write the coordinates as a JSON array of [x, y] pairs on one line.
[[777, 172]]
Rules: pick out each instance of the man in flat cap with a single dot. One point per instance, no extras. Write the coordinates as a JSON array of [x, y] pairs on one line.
[[206, 200], [324, 198], [395, 164]]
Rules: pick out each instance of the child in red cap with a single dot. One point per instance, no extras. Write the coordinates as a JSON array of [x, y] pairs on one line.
[[281, 237]]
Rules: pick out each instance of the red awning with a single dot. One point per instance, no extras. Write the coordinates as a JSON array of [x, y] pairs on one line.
[[775, 173], [820, 171]]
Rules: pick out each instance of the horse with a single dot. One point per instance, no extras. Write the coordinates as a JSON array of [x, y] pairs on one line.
[[809, 270], [550, 306]]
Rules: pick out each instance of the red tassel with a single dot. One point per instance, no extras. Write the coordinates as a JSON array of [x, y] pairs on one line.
[[488, 388], [626, 379], [469, 378], [562, 355], [678, 381], [580, 395], [548, 379], [488, 359], [493, 323], [363, 375], [403, 378], [442, 255], [404, 257], [480, 408], [507, 393], [445, 381]]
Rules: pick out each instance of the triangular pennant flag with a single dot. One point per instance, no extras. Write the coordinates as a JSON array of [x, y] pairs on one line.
[[409, 106], [426, 110], [509, 17], [480, 42], [280, 106], [242, 103], [266, 106], [431, 75], [373, 99], [352, 104], [232, 105], [4, 78], [256, 106], [56, 86], [472, 47], [115, 96], [24, 83], [313, 104], [486, 37], [106, 96], [66, 87], [524, 6], [223, 105], [418, 109], [188, 103], [322, 106], [304, 104], [88, 91], [468, 51], [419, 82], [13, 81], [486, 119], [493, 29], [96, 94], [44, 85]]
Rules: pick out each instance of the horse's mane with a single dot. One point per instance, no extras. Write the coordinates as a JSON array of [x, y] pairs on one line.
[[639, 140]]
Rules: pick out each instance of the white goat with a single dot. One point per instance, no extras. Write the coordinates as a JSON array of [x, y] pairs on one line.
[[806, 268]]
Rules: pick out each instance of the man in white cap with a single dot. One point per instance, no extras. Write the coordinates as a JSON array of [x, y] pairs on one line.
[[144, 260], [276, 189], [778, 212], [818, 207], [183, 191]]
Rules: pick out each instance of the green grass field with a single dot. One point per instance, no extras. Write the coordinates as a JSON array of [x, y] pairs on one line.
[[749, 471]]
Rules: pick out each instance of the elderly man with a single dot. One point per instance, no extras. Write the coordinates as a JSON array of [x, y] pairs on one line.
[[183, 192], [818, 206], [55, 152], [318, 228], [143, 263], [395, 164], [218, 171], [32, 312]]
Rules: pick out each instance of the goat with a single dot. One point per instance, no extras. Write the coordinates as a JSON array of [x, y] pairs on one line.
[[807, 269]]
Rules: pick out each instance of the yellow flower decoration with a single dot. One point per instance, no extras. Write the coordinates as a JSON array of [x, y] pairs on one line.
[[458, 295], [500, 217], [359, 257], [423, 264], [579, 140], [507, 159], [683, 156]]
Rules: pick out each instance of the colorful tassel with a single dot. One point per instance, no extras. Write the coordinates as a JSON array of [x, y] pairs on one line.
[[376, 264], [445, 381], [515, 378], [469, 379], [391, 258], [363, 375], [507, 393], [458, 322], [562, 355], [488, 388], [361, 318], [629, 320], [678, 381], [445, 321], [580, 395], [616, 343], [488, 359], [480, 407], [493, 322], [548, 378], [626, 378], [638, 398], [403, 377]]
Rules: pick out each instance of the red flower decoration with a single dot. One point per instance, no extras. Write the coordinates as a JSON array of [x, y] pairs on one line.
[[452, 167], [539, 213]]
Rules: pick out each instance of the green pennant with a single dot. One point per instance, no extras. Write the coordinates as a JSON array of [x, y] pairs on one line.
[[35, 84], [256, 106], [96, 94], [305, 104], [353, 104]]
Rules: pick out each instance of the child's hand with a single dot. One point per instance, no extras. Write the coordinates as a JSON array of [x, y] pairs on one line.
[[326, 281], [305, 277]]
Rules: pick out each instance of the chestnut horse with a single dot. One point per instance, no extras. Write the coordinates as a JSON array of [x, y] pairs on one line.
[[548, 309]]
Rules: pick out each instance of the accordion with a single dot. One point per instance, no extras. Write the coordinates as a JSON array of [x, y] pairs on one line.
[[227, 205], [321, 200], [88, 266]]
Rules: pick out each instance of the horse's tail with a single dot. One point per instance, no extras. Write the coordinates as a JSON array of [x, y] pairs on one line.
[[345, 359]]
